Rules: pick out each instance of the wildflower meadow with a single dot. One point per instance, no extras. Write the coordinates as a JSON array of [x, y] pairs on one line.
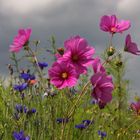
[[81, 96]]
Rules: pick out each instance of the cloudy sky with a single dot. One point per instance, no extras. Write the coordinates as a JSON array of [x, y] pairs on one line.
[[64, 18]]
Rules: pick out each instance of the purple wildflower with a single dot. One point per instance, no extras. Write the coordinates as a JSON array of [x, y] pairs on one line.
[[84, 124], [31, 111], [20, 108], [21, 87], [102, 134], [87, 122], [20, 136], [42, 65], [80, 126], [93, 101], [27, 76], [62, 120]]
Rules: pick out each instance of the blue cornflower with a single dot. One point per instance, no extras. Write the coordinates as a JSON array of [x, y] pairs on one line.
[[21, 87], [62, 120], [87, 122], [31, 111], [102, 134], [93, 101], [42, 65], [23, 109], [27, 76], [20, 108], [32, 77], [84, 124], [20, 136], [100, 103], [80, 126]]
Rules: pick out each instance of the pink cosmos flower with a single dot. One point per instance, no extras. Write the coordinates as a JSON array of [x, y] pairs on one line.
[[102, 87], [20, 40], [113, 25], [63, 75], [78, 53], [136, 107], [97, 66], [130, 46]]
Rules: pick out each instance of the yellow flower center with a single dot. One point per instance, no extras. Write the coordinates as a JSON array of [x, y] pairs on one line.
[[64, 75], [113, 29]]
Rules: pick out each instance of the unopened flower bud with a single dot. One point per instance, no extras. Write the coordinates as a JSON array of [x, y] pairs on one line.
[[137, 98], [118, 63], [26, 47], [10, 69], [37, 42], [110, 51], [60, 51]]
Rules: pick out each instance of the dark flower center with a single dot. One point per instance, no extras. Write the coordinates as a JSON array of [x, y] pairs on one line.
[[74, 57]]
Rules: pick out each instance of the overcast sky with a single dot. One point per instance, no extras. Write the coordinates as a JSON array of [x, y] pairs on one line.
[[64, 18]]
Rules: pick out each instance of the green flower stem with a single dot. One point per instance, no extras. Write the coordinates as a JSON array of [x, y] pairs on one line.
[[82, 134], [53, 119], [62, 131], [132, 124], [30, 52], [15, 62], [119, 93], [72, 110], [110, 40]]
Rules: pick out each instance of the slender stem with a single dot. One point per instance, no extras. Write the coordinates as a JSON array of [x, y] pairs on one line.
[[62, 131], [119, 81], [16, 62], [132, 124], [80, 137], [72, 110], [110, 40], [35, 63], [53, 122], [77, 101]]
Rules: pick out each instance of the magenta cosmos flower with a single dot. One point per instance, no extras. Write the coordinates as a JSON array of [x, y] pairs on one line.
[[78, 53], [102, 87], [97, 66], [136, 107], [130, 46], [113, 25], [20, 40], [63, 75]]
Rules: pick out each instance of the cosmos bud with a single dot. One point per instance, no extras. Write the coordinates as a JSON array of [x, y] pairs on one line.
[[60, 51], [118, 63], [110, 51]]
